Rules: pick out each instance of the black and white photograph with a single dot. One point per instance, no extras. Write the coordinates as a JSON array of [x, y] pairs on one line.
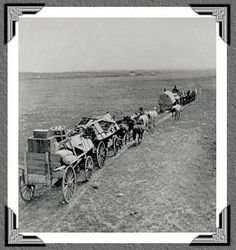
[[117, 124]]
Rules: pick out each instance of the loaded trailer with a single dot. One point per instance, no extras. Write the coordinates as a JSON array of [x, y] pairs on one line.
[[54, 156], [59, 154], [104, 133]]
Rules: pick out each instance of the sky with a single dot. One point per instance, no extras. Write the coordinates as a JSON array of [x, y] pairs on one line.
[[94, 44]]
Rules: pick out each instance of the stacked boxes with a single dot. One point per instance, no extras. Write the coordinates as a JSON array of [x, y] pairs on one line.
[[42, 133], [42, 141]]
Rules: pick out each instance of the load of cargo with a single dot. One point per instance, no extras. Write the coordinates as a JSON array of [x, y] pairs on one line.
[[60, 154]]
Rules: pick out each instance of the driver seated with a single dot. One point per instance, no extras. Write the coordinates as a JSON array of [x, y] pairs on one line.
[[175, 90]]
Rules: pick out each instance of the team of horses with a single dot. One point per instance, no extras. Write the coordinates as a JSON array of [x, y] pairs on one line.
[[187, 97], [136, 125], [142, 121]]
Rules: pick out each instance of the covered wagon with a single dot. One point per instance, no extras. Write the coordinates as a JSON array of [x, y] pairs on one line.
[[167, 100]]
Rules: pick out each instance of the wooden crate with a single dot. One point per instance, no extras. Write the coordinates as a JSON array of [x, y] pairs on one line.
[[39, 168], [42, 133], [36, 163], [39, 145], [40, 163]]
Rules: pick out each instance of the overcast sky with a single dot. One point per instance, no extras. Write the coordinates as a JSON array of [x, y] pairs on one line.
[[88, 44]]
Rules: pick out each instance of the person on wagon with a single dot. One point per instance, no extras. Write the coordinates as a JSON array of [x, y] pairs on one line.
[[175, 90]]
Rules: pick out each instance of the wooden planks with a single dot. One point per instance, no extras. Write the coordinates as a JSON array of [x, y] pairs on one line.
[[39, 145], [36, 170], [36, 179], [37, 163], [35, 156]]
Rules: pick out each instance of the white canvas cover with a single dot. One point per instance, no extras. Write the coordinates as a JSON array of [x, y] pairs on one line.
[[166, 100]]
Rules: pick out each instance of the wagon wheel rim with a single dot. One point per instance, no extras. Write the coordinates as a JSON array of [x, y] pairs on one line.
[[26, 191], [69, 184], [115, 145], [101, 154], [88, 168]]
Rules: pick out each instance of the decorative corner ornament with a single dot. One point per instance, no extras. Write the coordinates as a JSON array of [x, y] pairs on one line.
[[222, 14], [13, 237], [11, 16], [222, 235]]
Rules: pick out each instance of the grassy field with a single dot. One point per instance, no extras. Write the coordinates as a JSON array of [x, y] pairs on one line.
[[167, 184]]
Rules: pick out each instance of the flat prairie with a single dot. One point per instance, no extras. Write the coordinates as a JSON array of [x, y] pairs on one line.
[[166, 184]]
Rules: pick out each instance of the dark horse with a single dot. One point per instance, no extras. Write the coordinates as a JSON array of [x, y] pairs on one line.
[[188, 97], [124, 131], [136, 127]]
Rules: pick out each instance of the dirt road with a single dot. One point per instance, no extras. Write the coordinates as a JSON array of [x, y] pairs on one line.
[[167, 184]]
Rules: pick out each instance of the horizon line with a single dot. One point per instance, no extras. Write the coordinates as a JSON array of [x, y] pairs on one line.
[[115, 70]]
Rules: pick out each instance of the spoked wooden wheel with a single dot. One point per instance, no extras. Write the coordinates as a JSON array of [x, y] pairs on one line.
[[26, 191], [115, 145], [69, 183], [127, 138], [130, 135], [88, 168], [101, 154]]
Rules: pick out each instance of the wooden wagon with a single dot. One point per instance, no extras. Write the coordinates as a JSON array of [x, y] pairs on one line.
[[55, 157], [166, 100], [103, 131]]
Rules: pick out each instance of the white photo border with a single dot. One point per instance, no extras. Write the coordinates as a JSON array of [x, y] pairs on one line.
[[221, 122]]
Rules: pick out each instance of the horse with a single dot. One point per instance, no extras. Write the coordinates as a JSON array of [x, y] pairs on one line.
[[123, 134], [144, 120], [176, 109], [152, 115], [138, 131], [182, 99], [135, 125], [124, 131], [190, 96]]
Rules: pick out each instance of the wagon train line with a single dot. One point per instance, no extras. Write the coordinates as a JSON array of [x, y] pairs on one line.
[[59, 155]]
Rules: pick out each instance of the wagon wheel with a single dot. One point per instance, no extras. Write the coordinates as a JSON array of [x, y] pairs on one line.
[[123, 141], [130, 136], [88, 168], [126, 138], [101, 154], [115, 145], [26, 191], [69, 183]]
